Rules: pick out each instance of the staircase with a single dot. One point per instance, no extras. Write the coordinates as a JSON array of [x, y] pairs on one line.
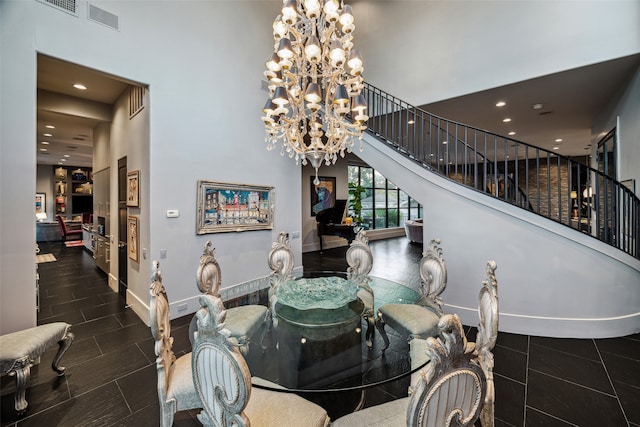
[[564, 235]]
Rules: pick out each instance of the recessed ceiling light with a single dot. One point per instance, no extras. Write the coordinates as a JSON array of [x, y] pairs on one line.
[[47, 134], [559, 140], [63, 160], [43, 149], [80, 86], [556, 148], [445, 142], [60, 163], [507, 120], [411, 122], [501, 104], [44, 142], [50, 126], [66, 155], [512, 133], [537, 106]]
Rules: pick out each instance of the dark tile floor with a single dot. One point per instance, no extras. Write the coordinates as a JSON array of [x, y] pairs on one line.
[[111, 375]]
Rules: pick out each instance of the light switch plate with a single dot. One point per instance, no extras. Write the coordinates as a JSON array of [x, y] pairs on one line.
[[173, 213]]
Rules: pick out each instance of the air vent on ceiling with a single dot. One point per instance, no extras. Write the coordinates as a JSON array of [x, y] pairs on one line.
[[103, 17], [68, 6], [71, 147], [136, 100], [544, 113]]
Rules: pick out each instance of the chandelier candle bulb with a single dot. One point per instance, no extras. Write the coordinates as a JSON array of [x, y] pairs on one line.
[[315, 110]]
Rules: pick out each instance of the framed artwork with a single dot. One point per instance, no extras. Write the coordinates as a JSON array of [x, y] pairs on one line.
[[41, 203], [323, 195], [225, 207], [132, 238], [133, 188]]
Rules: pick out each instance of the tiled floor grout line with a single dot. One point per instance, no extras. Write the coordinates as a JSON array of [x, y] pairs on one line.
[[575, 384], [604, 365], [526, 383]]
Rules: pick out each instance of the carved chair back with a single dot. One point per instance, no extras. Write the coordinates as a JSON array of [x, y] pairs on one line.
[[161, 330], [487, 336], [451, 388], [220, 373], [359, 259], [433, 273], [281, 263], [209, 276]]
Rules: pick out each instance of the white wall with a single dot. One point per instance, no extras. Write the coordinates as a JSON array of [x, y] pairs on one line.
[[204, 124], [552, 280], [427, 51], [626, 109]]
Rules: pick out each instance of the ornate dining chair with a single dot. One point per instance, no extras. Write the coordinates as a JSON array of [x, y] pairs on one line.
[[419, 319], [176, 391], [449, 391], [486, 338], [223, 381], [244, 321], [360, 261], [281, 263]]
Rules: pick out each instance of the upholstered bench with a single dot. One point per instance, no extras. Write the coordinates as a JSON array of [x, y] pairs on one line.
[[19, 351]]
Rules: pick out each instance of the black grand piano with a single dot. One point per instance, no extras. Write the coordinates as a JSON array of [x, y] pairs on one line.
[[329, 223]]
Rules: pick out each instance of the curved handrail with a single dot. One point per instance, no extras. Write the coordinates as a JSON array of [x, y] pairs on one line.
[[560, 188]]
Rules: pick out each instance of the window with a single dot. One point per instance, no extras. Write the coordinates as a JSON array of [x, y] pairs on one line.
[[384, 205]]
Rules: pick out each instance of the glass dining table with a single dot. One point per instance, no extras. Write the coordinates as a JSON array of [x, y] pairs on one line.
[[317, 348]]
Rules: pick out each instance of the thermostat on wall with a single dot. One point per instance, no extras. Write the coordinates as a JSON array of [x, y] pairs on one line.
[[173, 213]]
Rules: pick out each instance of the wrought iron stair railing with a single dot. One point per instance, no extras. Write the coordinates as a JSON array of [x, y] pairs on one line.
[[562, 189]]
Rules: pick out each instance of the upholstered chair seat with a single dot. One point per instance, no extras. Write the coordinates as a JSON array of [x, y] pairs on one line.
[[389, 414], [181, 384], [244, 322], [266, 408], [410, 320], [419, 320], [20, 350]]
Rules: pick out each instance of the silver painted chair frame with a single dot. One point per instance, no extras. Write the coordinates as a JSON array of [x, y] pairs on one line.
[[433, 282], [360, 261]]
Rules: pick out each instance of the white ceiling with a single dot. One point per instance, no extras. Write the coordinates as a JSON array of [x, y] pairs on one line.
[[571, 101], [73, 133]]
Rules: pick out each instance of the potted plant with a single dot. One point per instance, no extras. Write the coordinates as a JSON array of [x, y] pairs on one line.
[[355, 201]]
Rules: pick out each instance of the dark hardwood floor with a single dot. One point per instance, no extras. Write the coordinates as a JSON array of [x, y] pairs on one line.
[[111, 374]]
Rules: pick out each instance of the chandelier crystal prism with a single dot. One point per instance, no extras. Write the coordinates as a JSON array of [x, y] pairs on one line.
[[315, 109]]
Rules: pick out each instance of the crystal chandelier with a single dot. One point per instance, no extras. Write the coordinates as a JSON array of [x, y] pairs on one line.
[[315, 108]]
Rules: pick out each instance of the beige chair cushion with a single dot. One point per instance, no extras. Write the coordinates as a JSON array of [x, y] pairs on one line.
[[29, 343], [245, 320], [280, 409], [411, 319], [181, 384], [390, 414]]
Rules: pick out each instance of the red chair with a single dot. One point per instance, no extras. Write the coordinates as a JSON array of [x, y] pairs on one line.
[[74, 234]]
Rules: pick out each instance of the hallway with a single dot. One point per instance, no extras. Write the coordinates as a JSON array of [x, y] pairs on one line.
[[111, 373]]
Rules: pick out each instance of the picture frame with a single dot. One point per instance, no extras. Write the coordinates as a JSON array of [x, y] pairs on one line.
[[225, 207], [133, 188], [41, 204], [323, 194], [133, 238]]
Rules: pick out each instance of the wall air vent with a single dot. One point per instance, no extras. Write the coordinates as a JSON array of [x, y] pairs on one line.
[[136, 100], [103, 17], [69, 6]]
